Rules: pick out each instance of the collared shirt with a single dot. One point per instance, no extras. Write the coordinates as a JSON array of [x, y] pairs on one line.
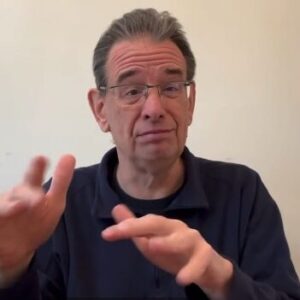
[[227, 203]]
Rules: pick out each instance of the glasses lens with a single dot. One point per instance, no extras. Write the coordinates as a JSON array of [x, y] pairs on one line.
[[173, 89], [130, 93]]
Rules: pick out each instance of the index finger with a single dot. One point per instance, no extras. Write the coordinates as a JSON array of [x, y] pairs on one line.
[[34, 174], [149, 225], [62, 177]]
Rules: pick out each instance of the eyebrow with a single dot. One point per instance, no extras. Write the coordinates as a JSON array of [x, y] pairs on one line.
[[125, 75], [130, 73], [174, 71]]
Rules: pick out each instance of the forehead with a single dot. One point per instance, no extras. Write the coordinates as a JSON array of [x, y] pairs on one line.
[[144, 57]]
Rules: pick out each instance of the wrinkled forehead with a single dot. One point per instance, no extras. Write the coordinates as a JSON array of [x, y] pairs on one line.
[[144, 57]]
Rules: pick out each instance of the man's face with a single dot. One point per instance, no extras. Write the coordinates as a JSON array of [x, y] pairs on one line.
[[155, 127]]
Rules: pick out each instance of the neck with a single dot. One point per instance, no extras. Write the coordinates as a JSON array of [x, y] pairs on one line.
[[152, 182]]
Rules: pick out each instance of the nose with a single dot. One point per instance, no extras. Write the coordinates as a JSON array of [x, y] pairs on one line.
[[155, 87], [153, 108]]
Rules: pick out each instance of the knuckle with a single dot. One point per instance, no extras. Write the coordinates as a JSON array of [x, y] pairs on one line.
[[153, 219], [153, 216], [179, 224], [14, 191], [194, 234], [209, 250]]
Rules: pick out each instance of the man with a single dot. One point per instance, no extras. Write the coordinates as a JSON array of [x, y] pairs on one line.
[[151, 220]]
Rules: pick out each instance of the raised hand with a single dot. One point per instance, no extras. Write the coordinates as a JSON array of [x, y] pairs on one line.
[[174, 247], [28, 215]]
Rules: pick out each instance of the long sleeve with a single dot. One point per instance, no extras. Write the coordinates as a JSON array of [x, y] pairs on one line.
[[44, 278], [27, 287], [265, 270], [249, 232]]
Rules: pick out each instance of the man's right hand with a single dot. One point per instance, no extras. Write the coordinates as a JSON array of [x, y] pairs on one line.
[[28, 215]]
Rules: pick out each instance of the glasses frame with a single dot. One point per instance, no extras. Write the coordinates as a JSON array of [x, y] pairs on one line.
[[145, 94]]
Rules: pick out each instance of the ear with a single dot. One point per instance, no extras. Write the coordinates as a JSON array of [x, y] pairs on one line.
[[98, 107], [191, 101]]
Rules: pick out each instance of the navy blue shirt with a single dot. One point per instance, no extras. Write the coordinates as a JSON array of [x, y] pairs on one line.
[[227, 203]]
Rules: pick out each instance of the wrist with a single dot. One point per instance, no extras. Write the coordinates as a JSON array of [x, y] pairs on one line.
[[10, 275]]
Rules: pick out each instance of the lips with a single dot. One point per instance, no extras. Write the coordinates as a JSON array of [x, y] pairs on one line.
[[154, 136], [154, 132]]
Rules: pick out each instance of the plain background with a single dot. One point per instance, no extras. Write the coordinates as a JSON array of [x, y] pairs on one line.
[[248, 86]]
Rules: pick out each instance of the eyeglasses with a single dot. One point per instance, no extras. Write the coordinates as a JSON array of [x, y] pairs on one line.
[[132, 93]]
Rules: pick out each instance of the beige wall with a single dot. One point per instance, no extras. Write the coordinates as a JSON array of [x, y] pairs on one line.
[[248, 74]]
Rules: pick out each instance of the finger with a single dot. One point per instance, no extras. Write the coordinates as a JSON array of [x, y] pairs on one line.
[[34, 175], [168, 245], [121, 212], [147, 226], [189, 273], [19, 199], [62, 177], [196, 266], [181, 242], [10, 208]]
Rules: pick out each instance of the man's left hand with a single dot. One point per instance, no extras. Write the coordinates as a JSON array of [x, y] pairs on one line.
[[174, 247]]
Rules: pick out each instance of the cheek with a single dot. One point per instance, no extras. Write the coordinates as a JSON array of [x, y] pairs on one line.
[[183, 122], [181, 116], [122, 122]]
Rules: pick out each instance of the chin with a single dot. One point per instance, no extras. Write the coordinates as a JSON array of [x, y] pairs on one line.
[[154, 153]]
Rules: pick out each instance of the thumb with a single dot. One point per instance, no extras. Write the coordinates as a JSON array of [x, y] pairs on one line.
[[62, 177], [121, 212]]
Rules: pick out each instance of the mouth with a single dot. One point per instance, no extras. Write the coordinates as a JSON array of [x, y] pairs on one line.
[[154, 136], [155, 132]]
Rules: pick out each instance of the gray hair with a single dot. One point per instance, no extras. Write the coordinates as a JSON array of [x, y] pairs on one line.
[[160, 26]]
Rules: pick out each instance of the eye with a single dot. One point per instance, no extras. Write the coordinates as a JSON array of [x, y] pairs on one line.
[[132, 91], [171, 87]]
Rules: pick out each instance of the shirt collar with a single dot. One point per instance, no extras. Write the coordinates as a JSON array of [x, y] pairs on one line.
[[191, 196]]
